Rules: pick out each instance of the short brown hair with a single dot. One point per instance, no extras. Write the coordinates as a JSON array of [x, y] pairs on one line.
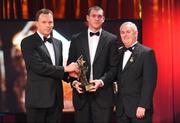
[[94, 8], [43, 11]]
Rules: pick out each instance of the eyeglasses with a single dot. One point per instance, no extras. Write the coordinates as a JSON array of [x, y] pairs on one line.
[[96, 16]]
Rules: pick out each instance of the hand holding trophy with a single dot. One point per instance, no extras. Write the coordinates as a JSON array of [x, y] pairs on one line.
[[83, 68]]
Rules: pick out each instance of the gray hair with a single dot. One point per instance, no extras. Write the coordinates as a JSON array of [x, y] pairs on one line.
[[131, 25]]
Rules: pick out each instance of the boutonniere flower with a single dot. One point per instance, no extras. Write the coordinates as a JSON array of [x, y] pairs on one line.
[[131, 59]]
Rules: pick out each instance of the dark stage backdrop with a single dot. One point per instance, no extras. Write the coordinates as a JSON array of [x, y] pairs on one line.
[[13, 73]]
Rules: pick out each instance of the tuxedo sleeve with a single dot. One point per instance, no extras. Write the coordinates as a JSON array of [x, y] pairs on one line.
[[112, 66], [72, 57], [36, 63], [149, 79]]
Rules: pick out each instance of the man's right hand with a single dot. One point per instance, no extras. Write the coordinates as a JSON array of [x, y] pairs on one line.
[[73, 69], [76, 85]]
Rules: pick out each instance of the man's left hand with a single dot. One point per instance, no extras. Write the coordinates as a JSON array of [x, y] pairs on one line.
[[97, 83], [140, 112]]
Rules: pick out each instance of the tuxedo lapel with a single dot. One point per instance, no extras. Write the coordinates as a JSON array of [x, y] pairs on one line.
[[100, 45], [130, 62], [84, 40], [56, 51], [132, 58], [121, 54], [42, 45], [43, 48]]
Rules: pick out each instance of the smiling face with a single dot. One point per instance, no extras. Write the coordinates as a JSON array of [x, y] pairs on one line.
[[128, 33], [95, 19], [45, 24]]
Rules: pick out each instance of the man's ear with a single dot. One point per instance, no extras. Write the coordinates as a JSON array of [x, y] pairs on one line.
[[103, 19], [87, 18]]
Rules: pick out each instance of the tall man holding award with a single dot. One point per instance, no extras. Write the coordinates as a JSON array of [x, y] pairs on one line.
[[95, 51]]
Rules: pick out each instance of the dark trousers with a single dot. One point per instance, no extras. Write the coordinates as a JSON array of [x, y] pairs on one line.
[[44, 115], [92, 113]]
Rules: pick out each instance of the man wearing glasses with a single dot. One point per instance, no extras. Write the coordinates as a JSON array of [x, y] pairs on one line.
[[99, 50]]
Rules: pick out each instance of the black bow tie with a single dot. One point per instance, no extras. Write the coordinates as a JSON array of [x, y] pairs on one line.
[[129, 48], [92, 33], [47, 39]]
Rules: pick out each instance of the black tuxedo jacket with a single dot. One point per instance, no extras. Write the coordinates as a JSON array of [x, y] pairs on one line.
[[44, 85], [104, 66], [137, 81]]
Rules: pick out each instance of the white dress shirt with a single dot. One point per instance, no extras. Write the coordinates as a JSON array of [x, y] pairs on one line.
[[93, 43], [126, 56], [49, 47]]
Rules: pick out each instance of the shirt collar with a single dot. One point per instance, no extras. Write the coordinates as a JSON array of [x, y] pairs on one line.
[[41, 36], [134, 43], [100, 30]]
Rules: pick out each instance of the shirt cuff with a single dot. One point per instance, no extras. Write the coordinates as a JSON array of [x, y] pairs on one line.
[[74, 83]]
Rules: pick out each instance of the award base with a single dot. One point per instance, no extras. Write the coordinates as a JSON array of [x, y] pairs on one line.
[[87, 87]]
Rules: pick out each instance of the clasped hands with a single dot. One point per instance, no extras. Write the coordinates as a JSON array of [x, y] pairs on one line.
[[96, 84], [72, 69]]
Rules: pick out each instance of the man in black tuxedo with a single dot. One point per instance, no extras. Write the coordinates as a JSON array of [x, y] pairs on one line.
[[99, 50], [136, 78], [43, 58]]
